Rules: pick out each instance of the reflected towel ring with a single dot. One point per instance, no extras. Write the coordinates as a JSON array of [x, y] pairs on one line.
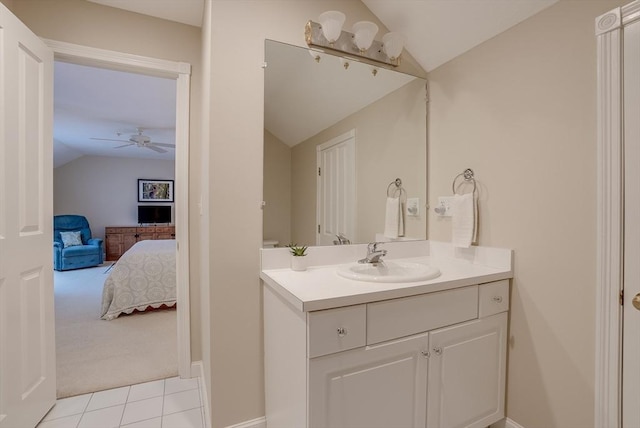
[[392, 192], [468, 176]]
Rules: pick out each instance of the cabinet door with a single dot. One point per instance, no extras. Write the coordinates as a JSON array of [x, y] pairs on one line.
[[128, 240], [113, 245], [467, 374], [376, 386]]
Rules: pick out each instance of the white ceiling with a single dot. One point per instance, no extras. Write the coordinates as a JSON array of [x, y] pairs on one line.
[[92, 102], [98, 103], [439, 30]]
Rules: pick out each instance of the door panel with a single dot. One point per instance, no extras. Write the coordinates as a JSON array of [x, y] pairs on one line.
[[344, 388], [27, 354], [631, 322], [336, 189], [467, 372]]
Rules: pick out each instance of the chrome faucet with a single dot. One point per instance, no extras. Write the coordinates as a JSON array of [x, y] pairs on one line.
[[373, 254], [342, 240]]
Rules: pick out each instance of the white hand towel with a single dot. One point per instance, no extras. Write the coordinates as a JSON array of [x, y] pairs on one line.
[[393, 222], [463, 220]]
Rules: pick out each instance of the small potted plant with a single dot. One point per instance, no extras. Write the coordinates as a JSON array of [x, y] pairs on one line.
[[297, 261]]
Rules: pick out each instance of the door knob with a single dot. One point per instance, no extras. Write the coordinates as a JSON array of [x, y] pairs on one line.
[[636, 301]]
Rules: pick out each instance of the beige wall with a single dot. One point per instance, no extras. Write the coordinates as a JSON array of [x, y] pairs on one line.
[[8, 4], [90, 24], [235, 132], [390, 143], [276, 215], [104, 189], [520, 110]]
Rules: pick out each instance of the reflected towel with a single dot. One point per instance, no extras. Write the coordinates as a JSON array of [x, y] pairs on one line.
[[463, 220], [393, 222]]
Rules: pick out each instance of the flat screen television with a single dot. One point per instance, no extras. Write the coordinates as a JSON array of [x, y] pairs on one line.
[[154, 214]]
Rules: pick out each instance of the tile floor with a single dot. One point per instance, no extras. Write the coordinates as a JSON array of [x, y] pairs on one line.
[[165, 403]]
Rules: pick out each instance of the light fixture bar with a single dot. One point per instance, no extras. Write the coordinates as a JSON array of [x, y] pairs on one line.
[[314, 37]]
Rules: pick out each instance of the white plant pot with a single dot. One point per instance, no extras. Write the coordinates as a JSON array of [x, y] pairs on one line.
[[299, 263]]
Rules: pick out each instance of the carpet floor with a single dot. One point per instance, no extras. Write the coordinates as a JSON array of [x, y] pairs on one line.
[[93, 354]]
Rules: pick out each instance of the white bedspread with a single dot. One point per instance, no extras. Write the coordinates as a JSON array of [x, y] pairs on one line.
[[145, 276]]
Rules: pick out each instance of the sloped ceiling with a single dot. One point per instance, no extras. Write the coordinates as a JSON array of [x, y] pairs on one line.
[[102, 103]]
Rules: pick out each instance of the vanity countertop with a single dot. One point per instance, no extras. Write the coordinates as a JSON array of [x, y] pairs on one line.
[[320, 287]]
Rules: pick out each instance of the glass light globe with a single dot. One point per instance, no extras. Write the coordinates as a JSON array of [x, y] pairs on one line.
[[393, 43], [364, 32], [331, 23]]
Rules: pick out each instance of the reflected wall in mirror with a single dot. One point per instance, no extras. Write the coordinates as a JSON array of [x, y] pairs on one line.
[[363, 126]]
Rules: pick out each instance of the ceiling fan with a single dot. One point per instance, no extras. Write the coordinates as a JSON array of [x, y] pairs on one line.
[[139, 140]]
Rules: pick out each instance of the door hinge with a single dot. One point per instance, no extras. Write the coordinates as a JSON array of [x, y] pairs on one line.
[[319, 175], [318, 228], [621, 297]]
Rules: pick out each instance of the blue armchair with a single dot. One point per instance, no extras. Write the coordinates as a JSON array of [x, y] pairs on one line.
[[76, 256]]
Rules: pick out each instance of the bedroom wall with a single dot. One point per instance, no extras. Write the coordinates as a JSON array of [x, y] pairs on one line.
[[90, 24], [520, 110], [105, 189]]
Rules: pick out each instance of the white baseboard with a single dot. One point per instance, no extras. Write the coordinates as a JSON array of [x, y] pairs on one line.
[[255, 423], [506, 423], [197, 370]]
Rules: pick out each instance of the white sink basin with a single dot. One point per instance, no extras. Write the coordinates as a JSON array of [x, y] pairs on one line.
[[389, 271]]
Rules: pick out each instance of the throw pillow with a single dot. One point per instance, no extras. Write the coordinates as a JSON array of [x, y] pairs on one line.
[[70, 239]]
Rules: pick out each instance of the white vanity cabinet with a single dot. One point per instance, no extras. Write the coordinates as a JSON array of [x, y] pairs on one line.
[[433, 360]]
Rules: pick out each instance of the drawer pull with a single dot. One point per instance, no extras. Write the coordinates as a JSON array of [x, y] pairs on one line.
[[342, 332], [497, 299]]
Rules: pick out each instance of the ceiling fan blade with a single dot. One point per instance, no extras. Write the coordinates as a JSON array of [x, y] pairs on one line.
[[109, 139], [172, 146], [124, 145], [155, 149]]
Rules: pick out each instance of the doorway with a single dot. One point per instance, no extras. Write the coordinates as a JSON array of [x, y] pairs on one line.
[[180, 72], [336, 162]]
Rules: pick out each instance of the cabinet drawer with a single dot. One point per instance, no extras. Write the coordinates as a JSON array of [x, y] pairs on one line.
[[145, 229], [391, 319], [120, 230], [493, 298], [336, 330], [164, 229]]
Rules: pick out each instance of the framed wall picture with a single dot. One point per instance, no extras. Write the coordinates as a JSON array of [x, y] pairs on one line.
[[155, 190]]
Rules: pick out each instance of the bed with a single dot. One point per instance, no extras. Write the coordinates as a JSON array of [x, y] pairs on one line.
[[143, 278]]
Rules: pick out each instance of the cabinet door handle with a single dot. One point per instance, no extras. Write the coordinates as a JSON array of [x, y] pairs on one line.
[[497, 299], [437, 351], [426, 354], [342, 332]]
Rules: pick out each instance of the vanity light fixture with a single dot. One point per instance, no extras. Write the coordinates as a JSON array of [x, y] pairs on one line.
[[363, 34], [332, 22], [328, 34], [315, 55], [393, 43]]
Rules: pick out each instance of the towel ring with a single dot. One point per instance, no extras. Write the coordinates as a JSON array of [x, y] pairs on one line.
[[467, 174], [391, 191]]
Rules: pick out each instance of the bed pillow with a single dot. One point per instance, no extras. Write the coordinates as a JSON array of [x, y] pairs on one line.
[[70, 239]]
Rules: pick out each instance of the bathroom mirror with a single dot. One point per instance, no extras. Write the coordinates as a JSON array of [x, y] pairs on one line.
[[337, 133]]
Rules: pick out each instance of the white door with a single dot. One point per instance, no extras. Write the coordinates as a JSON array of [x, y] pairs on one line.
[[376, 386], [631, 315], [27, 352], [467, 372], [336, 189]]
